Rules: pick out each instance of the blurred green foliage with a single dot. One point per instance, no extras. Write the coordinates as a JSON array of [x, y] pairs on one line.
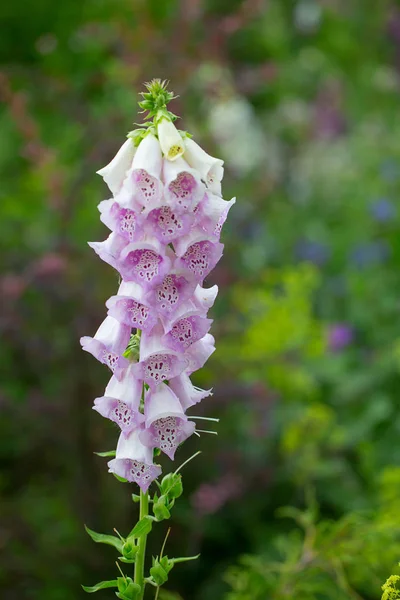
[[301, 99]]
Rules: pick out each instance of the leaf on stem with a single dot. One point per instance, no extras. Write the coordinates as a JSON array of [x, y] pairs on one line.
[[100, 586], [102, 538]]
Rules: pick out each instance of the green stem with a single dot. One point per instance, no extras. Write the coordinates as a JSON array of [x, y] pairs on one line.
[[141, 553]]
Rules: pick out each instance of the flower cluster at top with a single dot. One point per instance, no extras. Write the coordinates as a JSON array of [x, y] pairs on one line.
[[165, 218]]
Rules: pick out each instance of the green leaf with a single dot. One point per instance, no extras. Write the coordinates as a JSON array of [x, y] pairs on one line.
[[106, 454], [102, 538], [142, 527], [100, 586]]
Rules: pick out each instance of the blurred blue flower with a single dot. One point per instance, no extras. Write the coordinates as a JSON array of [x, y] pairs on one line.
[[340, 335], [314, 252], [370, 253], [383, 210]]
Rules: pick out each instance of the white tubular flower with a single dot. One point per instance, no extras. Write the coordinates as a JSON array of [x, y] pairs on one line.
[[145, 175], [211, 169], [115, 172], [170, 139]]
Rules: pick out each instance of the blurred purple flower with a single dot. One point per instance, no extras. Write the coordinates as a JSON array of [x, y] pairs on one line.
[[210, 497], [383, 210], [340, 335], [313, 252], [370, 253]]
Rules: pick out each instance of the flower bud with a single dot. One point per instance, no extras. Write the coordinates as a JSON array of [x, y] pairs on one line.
[[170, 140]]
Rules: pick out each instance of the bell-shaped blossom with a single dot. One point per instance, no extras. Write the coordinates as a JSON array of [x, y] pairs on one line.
[[129, 307], [198, 353], [108, 344], [134, 461], [211, 169], [185, 331], [197, 303], [115, 172], [175, 289], [213, 214], [183, 186], [122, 220], [198, 254], [121, 401], [166, 423], [157, 362], [144, 178], [144, 262], [188, 394], [170, 139], [110, 250], [167, 224]]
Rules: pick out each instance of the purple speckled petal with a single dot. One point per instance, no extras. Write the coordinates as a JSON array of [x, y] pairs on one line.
[[171, 293], [167, 225], [166, 424], [186, 331], [134, 461], [200, 258], [120, 219], [183, 186], [144, 264]]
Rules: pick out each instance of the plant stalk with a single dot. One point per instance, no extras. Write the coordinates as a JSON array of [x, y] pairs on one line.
[[141, 553]]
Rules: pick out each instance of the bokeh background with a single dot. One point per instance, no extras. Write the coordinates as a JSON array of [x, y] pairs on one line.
[[301, 100]]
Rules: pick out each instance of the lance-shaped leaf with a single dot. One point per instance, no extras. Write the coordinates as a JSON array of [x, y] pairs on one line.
[[106, 454], [102, 538], [100, 586], [142, 527]]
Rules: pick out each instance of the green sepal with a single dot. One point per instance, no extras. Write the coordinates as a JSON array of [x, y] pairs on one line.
[[171, 485], [102, 538], [129, 551], [135, 498], [142, 527], [110, 453], [137, 136], [160, 569], [185, 134], [160, 509], [100, 586], [127, 589], [121, 479]]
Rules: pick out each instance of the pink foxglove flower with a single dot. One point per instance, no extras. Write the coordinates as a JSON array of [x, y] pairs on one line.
[[165, 218], [134, 461], [167, 426], [115, 172]]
